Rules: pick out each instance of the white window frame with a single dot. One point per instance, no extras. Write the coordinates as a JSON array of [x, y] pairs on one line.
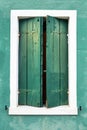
[[16, 109]]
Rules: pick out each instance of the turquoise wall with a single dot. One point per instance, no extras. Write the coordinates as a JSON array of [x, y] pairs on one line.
[[43, 122]]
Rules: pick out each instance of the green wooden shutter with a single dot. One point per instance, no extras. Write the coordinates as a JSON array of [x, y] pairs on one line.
[[22, 61], [30, 81], [64, 61], [57, 62]]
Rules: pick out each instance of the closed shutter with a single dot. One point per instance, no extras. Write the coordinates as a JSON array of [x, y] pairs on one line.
[[57, 62], [30, 70]]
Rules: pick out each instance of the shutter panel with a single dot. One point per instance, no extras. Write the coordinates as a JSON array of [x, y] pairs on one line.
[[22, 61], [34, 97], [33, 62], [56, 75], [64, 61]]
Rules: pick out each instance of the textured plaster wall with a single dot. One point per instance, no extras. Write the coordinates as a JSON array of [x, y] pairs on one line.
[[43, 122]]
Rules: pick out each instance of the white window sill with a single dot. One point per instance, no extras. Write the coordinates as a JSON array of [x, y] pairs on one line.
[[28, 110]]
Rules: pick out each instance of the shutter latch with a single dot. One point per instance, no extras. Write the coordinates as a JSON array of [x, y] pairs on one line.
[[44, 71]]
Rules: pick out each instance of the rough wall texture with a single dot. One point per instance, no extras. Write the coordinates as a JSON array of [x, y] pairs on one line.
[[43, 122]]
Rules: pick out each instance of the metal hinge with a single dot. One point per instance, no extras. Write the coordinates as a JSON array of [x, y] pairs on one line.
[[67, 35], [18, 34]]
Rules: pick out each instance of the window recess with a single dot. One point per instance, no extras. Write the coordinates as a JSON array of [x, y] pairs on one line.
[[42, 76]]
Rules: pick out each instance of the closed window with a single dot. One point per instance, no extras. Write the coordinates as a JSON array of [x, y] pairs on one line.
[[43, 63]]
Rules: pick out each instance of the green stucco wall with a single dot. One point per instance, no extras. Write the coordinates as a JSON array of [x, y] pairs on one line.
[[43, 122]]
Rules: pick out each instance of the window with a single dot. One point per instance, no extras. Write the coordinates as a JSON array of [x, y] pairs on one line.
[[42, 76]]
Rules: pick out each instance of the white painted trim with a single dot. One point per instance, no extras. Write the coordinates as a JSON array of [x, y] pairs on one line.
[[27, 110]]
